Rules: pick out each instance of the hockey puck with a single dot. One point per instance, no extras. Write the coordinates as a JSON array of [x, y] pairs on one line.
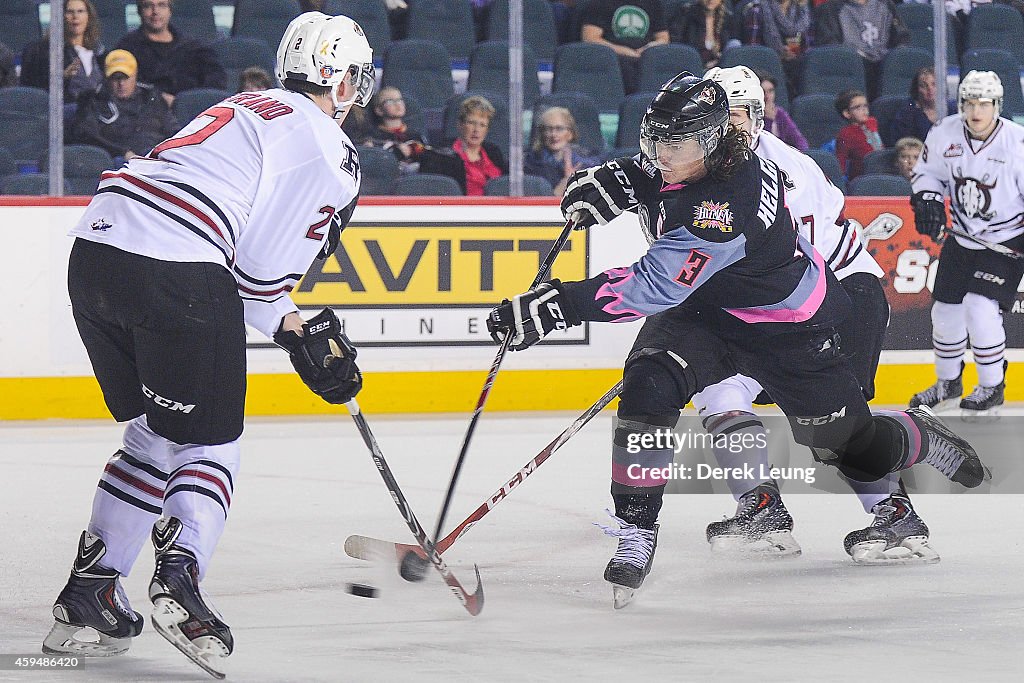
[[413, 567], [362, 590]]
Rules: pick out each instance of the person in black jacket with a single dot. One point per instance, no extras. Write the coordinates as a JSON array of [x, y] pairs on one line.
[[167, 59], [471, 160], [125, 117], [83, 53]]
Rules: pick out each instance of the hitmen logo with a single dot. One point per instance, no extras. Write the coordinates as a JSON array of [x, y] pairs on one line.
[[173, 406], [974, 197], [713, 215], [707, 95]]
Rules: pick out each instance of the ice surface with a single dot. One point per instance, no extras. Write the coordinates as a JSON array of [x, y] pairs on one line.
[[280, 573]]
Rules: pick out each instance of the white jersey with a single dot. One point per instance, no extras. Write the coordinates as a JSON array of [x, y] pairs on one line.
[[817, 207], [253, 183], [984, 180]]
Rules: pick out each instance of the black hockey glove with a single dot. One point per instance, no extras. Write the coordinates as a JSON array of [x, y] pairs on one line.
[[531, 316], [595, 195], [324, 358], [929, 213]]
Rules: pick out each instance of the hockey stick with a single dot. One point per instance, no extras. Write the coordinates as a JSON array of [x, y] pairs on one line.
[[473, 603], [994, 246], [413, 571], [366, 548]]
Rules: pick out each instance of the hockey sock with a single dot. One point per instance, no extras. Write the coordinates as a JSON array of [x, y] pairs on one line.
[[949, 338], [640, 507], [739, 440], [129, 496], [199, 491], [871, 493], [988, 338]]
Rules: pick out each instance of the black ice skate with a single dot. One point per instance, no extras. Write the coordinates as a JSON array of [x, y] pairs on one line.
[[896, 536], [181, 614], [942, 395], [983, 403], [948, 453], [92, 605], [761, 527], [633, 559]]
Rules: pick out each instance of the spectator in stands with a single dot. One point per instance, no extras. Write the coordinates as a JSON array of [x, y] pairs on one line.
[[124, 117], [391, 132], [628, 27], [908, 150], [167, 59], [254, 79], [554, 153], [8, 74], [920, 112], [777, 120], [871, 27], [709, 26], [472, 160], [856, 140], [82, 53], [786, 26]]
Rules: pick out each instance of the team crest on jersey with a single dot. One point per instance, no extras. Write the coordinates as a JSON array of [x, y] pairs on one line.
[[707, 96], [974, 197], [713, 215], [955, 149]]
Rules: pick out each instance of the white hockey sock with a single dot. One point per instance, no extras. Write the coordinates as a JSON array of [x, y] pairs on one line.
[[199, 491], [988, 338], [871, 493], [129, 496], [949, 338], [740, 440]]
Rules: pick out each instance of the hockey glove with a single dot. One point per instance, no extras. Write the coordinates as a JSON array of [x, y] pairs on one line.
[[531, 316], [929, 213], [324, 358], [596, 195]]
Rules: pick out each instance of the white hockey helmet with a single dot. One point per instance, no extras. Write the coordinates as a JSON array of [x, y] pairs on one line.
[[981, 85], [324, 50], [744, 89]]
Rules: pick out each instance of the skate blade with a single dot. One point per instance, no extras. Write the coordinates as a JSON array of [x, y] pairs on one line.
[[622, 596], [980, 416], [771, 545], [914, 550], [63, 639], [207, 652]]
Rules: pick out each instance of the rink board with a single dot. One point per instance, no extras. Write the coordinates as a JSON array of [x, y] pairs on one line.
[[413, 283]]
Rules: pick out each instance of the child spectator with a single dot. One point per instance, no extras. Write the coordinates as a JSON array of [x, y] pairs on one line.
[[82, 52], [860, 137], [391, 132], [908, 151], [554, 154], [709, 26], [777, 120], [254, 79]]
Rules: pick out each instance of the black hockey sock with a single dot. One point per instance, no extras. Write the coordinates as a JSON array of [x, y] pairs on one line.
[[639, 508], [875, 450]]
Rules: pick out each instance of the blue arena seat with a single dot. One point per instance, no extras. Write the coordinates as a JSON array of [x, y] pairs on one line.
[[427, 185], [831, 69], [533, 186], [877, 185], [450, 22], [592, 70]]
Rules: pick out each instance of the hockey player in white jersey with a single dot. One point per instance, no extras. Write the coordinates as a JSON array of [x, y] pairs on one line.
[[177, 251], [977, 160], [762, 524]]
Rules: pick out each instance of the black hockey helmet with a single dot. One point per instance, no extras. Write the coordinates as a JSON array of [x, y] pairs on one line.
[[686, 107]]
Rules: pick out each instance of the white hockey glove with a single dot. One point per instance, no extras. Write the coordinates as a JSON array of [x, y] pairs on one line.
[[531, 316], [596, 195]]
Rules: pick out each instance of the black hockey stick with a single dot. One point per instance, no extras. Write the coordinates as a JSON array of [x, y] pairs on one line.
[[414, 569], [994, 246], [473, 603], [365, 547]]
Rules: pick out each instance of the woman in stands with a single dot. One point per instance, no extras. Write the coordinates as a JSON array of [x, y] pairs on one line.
[[554, 153], [777, 120], [707, 25], [920, 112], [472, 160], [83, 52]]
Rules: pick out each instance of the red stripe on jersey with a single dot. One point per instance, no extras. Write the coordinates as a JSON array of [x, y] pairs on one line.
[[134, 482], [849, 246], [286, 288], [167, 197], [199, 474]]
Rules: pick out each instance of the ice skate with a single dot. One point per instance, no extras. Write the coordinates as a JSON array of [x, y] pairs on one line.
[[181, 613], [943, 395], [897, 536], [761, 527], [948, 453], [983, 404], [92, 614], [633, 559]]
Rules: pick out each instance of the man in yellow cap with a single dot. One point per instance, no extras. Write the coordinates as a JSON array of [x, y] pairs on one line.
[[124, 117]]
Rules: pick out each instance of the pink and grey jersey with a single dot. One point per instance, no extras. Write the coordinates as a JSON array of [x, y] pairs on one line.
[[253, 183]]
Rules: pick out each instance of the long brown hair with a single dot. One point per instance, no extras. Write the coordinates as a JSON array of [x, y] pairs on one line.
[[91, 39], [732, 150]]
